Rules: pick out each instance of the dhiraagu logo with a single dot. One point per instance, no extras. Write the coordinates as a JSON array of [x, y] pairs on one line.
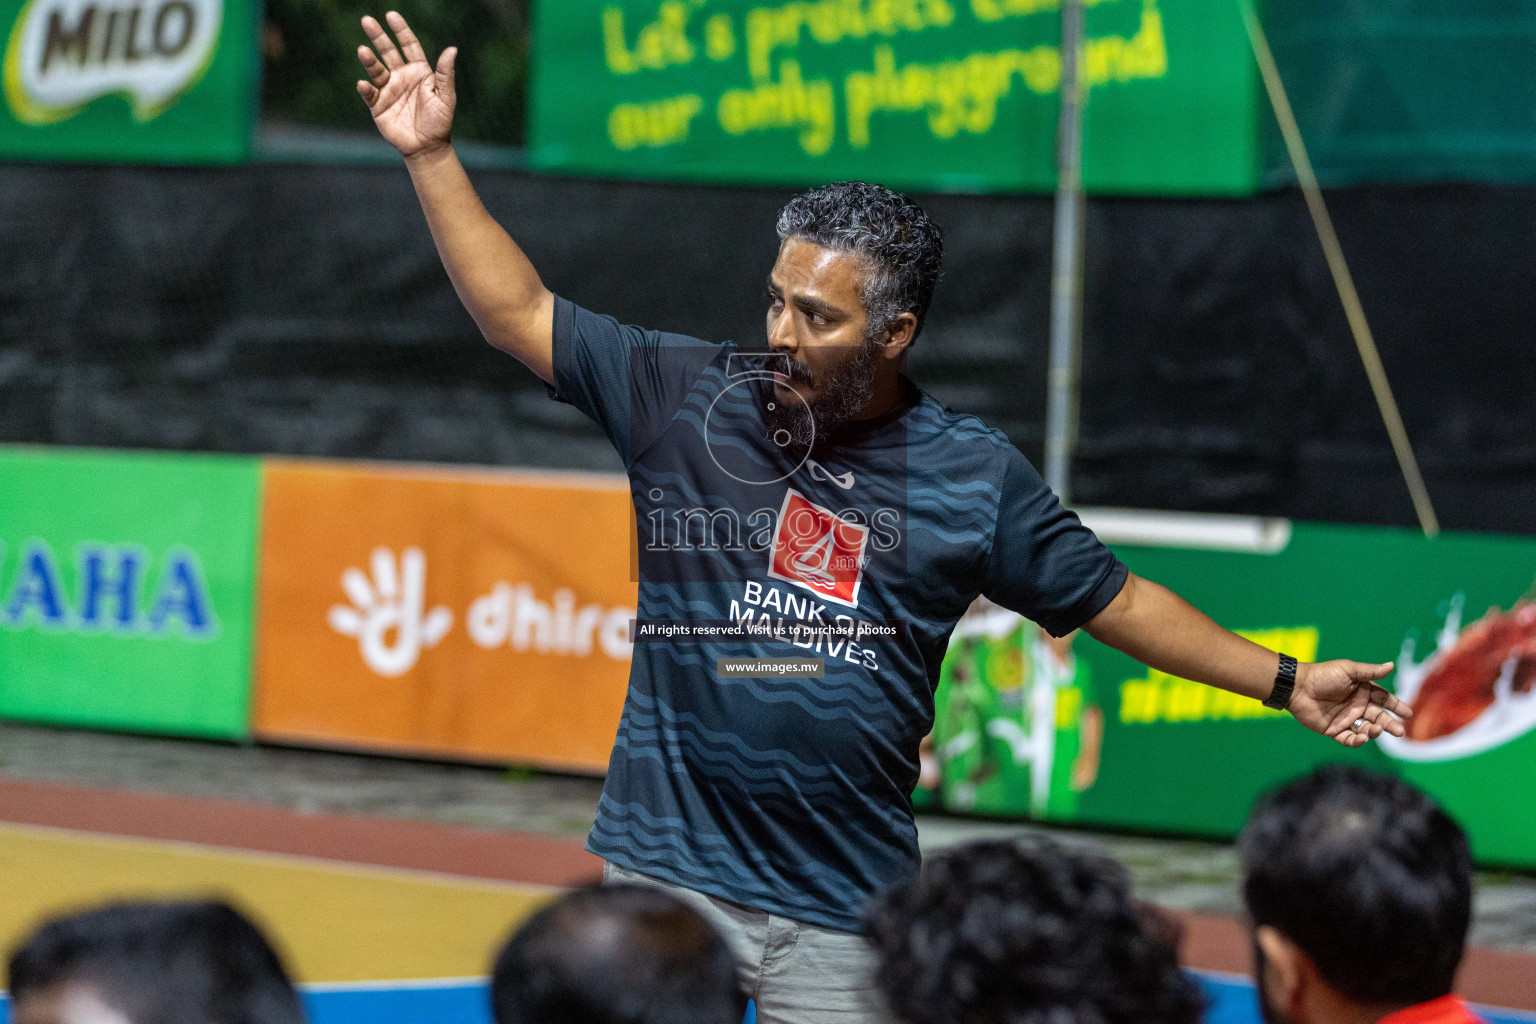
[[62, 54]]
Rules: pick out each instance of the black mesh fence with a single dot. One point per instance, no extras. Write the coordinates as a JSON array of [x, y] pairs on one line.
[[301, 309]]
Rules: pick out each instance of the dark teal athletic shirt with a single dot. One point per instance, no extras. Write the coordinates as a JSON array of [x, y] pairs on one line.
[[792, 795]]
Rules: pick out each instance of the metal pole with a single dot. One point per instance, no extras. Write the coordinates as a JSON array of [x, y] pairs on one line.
[[1343, 281], [1066, 262]]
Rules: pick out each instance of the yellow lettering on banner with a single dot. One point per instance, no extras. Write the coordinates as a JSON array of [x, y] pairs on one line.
[[719, 38], [997, 10], [662, 43], [1137, 702], [1160, 697], [767, 29], [659, 123], [791, 102], [1116, 59], [959, 95], [615, 51], [1186, 702], [1225, 704], [832, 21], [962, 95]]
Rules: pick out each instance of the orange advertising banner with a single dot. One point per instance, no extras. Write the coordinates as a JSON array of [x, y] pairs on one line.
[[470, 614]]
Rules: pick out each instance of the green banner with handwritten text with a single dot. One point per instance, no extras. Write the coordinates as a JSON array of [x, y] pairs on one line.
[[917, 94]]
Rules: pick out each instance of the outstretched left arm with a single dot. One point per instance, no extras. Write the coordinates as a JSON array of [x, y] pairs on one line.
[[1158, 628]]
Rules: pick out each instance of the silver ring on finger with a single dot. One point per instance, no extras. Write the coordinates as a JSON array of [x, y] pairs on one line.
[[1359, 724]]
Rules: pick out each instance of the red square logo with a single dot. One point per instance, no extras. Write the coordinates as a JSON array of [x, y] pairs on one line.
[[815, 549]]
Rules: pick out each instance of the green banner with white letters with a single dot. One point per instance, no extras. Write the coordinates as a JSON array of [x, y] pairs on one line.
[[918, 94], [127, 587]]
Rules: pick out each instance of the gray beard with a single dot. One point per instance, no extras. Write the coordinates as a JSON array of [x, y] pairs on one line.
[[848, 391]]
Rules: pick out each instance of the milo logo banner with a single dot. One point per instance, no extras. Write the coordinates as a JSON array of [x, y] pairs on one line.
[[1070, 730], [127, 584], [128, 80], [917, 94]]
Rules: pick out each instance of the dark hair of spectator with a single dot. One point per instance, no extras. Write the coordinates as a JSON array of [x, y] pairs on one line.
[[1032, 933], [901, 249], [1368, 876], [161, 963], [616, 954]]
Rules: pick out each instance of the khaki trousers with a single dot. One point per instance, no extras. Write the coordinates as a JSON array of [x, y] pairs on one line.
[[796, 973]]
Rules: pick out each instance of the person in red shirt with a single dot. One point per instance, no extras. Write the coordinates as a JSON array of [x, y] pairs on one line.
[[1359, 888]]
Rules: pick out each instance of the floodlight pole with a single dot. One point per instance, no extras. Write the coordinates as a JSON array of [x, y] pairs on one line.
[[1066, 262]]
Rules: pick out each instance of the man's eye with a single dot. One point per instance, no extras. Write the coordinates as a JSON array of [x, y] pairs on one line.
[[774, 302]]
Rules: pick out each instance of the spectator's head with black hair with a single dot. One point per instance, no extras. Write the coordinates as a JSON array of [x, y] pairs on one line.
[[847, 297], [1360, 891], [151, 963], [1031, 933], [616, 954]]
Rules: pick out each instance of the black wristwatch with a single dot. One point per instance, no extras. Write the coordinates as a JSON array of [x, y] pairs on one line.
[[1285, 681]]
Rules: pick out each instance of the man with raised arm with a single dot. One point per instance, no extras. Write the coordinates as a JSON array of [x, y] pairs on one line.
[[808, 503]]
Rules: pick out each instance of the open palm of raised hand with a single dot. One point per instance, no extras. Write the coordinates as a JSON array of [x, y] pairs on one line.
[[411, 103]]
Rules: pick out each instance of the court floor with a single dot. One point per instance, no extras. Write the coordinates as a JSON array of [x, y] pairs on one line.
[[333, 922], [385, 922]]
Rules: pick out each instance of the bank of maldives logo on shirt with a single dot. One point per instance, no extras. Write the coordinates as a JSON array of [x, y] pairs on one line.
[[816, 549], [62, 54]]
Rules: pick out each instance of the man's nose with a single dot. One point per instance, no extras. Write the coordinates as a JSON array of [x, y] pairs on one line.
[[781, 332]]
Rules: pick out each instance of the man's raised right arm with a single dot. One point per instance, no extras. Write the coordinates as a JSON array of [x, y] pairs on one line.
[[412, 106]]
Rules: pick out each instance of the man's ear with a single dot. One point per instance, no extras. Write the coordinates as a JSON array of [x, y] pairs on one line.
[[1286, 968], [899, 336]]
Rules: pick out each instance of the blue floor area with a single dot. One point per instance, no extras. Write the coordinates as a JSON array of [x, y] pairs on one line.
[[462, 1003], [1232, 1001]]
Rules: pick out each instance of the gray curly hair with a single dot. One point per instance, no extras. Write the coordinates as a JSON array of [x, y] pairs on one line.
[[899, 246]]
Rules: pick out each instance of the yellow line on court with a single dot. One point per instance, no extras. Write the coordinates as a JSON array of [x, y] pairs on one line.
[[332, 922]]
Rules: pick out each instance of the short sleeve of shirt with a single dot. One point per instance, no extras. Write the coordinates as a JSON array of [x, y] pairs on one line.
[[1045, 564], [629, 380]]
